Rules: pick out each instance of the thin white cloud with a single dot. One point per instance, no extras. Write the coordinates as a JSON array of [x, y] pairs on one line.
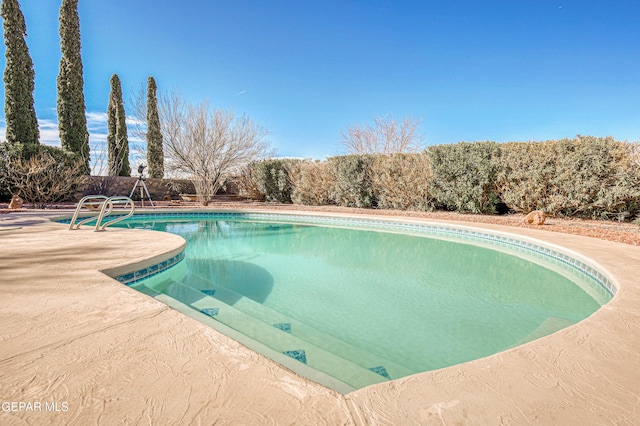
[[132, 121], [48, 131], [97, 122], [49, 134], [137, 140], [44, 124], [98, 136], [96, 117]]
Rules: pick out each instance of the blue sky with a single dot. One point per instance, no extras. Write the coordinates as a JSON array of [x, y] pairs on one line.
[[509, 70]]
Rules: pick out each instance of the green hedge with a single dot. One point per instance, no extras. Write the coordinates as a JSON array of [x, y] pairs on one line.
[[463, 176], [313, 182], [402, 182], [581, 177], [589, 177], [353, 185], [272, 178]]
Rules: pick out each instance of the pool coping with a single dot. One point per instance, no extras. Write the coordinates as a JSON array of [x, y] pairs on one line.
[[586, 373]]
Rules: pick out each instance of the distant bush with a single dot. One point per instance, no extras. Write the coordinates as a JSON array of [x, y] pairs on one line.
[[402, 181], [463, 176], [312, 183], [586, 176], [398, 181], [12, 152], [590, 177], [272, 178], [354, 180], [45, 175]]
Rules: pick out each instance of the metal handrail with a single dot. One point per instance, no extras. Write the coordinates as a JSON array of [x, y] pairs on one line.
[[106, 205], [83, 203]]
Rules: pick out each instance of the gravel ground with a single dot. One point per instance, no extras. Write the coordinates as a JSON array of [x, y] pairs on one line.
[[622, 232]]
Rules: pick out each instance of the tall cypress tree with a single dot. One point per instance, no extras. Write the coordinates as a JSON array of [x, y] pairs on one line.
[[19, 77], [112, 128], [155, 153], [117, 139], [72, 122]]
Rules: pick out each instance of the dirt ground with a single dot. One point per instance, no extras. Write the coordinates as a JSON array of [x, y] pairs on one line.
[[622, 232]]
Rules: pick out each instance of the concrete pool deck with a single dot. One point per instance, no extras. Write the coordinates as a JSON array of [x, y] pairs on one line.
[[77, 347]]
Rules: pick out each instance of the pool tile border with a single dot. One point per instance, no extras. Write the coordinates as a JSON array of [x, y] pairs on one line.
[[132, 278]]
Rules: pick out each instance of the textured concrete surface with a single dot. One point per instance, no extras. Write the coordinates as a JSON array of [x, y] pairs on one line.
[[77, 347]]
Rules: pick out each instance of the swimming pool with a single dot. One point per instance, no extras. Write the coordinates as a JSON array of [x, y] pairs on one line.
[[352, 302]]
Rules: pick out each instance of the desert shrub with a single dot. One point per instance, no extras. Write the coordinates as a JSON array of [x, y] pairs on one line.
[[312, 183], [272, 178], [10, 152], [463, 176], [354, 180], [402, 181], [45, 176], [586, 177], [4, 185]]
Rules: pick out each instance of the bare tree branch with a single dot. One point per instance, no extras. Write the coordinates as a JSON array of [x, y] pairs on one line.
[[207, 145], [138, 113], [385, 136]]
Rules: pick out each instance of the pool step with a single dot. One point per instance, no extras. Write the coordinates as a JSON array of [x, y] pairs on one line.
[[386, 367], [283, 343], [549, 326]]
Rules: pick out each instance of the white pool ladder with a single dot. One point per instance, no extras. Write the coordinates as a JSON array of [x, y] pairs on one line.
[[105, 204]]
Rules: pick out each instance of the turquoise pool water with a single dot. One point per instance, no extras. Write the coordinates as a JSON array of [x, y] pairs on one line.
[[366, 305]]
